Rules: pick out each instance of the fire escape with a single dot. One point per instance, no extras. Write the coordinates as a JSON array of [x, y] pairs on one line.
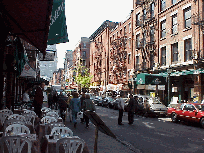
[[198, 55], [97, 65], [118, 55], [146, 45]]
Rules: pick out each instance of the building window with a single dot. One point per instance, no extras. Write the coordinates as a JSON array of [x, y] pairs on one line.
[[84, 54], [188, 49], [151, 60], [175, 52], [138, 19], [137, 62], [163, 5], [121, 31], [129, 56], [84, 45], [130, 43], [163, 28], [174, 2], [152, 10], [163, 56], [187, 17], [152, 35], [125, 30], [174, 24], [144, 14], [144, 38], [129, 27], [137, 40]]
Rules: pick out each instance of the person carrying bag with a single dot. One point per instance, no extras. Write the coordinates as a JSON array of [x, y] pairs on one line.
[[88, 105]]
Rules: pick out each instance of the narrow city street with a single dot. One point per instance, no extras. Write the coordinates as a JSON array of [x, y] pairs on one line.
[[145, 135]]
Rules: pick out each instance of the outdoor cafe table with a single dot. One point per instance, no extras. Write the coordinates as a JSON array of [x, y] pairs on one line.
[[49, 146], [35, 144]]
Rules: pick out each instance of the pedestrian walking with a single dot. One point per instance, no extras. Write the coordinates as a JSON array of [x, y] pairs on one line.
[[38, 99], [88, 105], [62, 105], [75, 106], [55, 99], [121, 105], [82, 99], [50, 99], [131, 109], [146, 108]]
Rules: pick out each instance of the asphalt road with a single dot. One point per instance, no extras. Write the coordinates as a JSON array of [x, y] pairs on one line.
[[146, 135]]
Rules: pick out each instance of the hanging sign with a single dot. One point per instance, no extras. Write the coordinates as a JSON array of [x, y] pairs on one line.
[[28, 71]]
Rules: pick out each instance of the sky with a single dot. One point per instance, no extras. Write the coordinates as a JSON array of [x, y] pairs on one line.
[[83, 17]]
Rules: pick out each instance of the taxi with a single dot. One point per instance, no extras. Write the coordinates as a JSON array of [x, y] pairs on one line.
[[190, 112]]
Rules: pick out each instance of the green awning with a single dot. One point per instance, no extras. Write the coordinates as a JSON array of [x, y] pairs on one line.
[[184, 72], [58, 28], [153, 79]]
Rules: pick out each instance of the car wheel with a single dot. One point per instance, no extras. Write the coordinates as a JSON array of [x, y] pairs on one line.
[[202, 122], [174, 117]]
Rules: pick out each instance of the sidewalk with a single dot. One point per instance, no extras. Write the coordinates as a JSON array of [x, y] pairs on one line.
[[106, 144]]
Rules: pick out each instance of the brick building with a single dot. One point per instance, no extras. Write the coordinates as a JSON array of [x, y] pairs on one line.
[[158, 50]]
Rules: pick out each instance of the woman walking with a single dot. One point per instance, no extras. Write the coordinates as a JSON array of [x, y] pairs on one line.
[[75, 106], [88, 105]]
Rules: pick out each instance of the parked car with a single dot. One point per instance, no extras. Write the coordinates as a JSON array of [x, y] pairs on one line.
[[106, 101], [156, 108], [98, 100], [190, 112]]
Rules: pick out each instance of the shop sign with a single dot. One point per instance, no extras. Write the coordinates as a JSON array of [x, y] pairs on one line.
[[150, 87], [161, 87], [139, 86]]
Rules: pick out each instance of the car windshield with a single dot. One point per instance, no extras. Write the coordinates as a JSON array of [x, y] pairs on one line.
[[154, 101], [200, 107]]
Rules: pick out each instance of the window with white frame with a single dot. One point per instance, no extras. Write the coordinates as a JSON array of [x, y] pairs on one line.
[[163, 28], [129, 27], [163, 5], [174, 2], [188, 49], [174, 48], [129, 42], [138, 19], [163, 56], [144, 14], [174, 24], [152, 10], [187, 17]]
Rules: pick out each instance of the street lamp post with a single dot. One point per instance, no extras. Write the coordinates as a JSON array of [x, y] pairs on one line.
[[169, 70]]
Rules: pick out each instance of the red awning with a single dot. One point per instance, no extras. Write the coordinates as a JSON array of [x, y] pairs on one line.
[[29, 19]]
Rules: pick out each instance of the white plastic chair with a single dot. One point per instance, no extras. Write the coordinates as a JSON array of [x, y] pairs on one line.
[[29, 112], [57, 124], [45, 109], [15, 144], [62, 131], [3, 117], [17, 129], [6, 111], [12, 121], [53, 114], [17, 117], [48, 119], [70, 144], [30, 119]]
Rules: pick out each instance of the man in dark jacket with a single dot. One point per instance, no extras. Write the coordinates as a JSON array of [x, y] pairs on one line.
[[38, 99], [131, 109]]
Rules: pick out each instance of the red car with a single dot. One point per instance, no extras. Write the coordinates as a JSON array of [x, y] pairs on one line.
[[191, 112]]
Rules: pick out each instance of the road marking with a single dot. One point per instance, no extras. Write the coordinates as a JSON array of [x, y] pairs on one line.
[[146, 124]]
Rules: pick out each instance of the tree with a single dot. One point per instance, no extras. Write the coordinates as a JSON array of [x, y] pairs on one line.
[[83, 78]]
